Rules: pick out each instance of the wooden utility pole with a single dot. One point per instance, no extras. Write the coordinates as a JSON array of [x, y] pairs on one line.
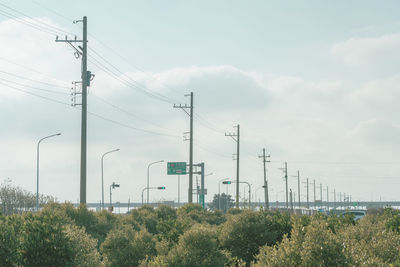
[[85, 83], [264, 157]]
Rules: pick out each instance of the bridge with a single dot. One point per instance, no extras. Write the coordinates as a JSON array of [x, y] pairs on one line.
[[273, 205]]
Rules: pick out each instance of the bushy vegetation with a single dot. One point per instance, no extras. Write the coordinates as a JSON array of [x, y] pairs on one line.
[[62, 235], [14, 199]]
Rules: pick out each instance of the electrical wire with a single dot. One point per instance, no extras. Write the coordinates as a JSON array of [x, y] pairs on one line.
[[106, 46], [90, 112], [33, 70], [128, 80], [35, 88], [39, 23], [36, 81], [130, 127], [123, 81], [129, 113], [26, 23], [34, 94]]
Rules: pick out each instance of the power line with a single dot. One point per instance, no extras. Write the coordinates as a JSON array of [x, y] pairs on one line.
[[134, 66], [35, 88], [342, 162], [26, 23], [129, 113], [44, 25], [130, 127], [89, 112], [52, 11], [128, 83], [208, 125], [201, 147], [32, 70], [32, 80], [33, 94]]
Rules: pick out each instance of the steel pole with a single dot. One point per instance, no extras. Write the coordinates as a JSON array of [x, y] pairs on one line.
[[148, 178], [102, 175], [37, 167]]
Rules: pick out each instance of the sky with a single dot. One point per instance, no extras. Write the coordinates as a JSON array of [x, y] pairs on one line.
[[313, 82]]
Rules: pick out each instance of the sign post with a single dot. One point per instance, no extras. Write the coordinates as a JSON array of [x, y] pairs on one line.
[[176, 168]]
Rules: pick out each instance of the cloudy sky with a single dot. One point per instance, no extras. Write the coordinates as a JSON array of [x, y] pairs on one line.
[[313, 82]]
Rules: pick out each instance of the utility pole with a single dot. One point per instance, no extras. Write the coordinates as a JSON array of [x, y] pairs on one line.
[[344, 200], [334, 198], [327, 198], [190, 113], [320, 190], [315, 205], [237, 140], [202, 195], [308, 200], [86, 78], [286, 180], [291, 200], [265, 178], [298, 185], [294, 198]]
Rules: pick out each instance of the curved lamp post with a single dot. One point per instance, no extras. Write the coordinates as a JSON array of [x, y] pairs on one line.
[[148, 188], [148, 174], [102, 180], [242, 182], [255, 194], [277, 194], [37, 168], [112, 186], [219, 192]]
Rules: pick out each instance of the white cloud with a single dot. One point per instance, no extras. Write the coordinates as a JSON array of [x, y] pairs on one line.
[[377, 132], [359, 51], [293, 116], [30, 53]]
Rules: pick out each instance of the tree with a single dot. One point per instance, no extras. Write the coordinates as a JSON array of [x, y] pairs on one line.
[[243, 234], [96, 224], [9, 240], [198, 247], [222, 202], [125, 246], [48, 240], [14, 199], [311, 245], [370, 242], [84, 247], [145, 216]]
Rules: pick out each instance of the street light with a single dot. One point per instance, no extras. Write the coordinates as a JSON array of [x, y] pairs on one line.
[[199, 188], [112, 186], [37, 168], [241, 182], [148, 188], [219, 192], [277, 193], [148, 174], [102, 180], [255, 194]]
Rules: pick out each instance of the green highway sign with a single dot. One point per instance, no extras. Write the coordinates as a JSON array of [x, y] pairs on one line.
[[176, 168]]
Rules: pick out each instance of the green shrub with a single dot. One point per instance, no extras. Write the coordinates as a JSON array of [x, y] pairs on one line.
[[311, 245], [46, 240], [198, 247], [10, 240], [370, 243], [126, 247], [243, 234], [147, 217]]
